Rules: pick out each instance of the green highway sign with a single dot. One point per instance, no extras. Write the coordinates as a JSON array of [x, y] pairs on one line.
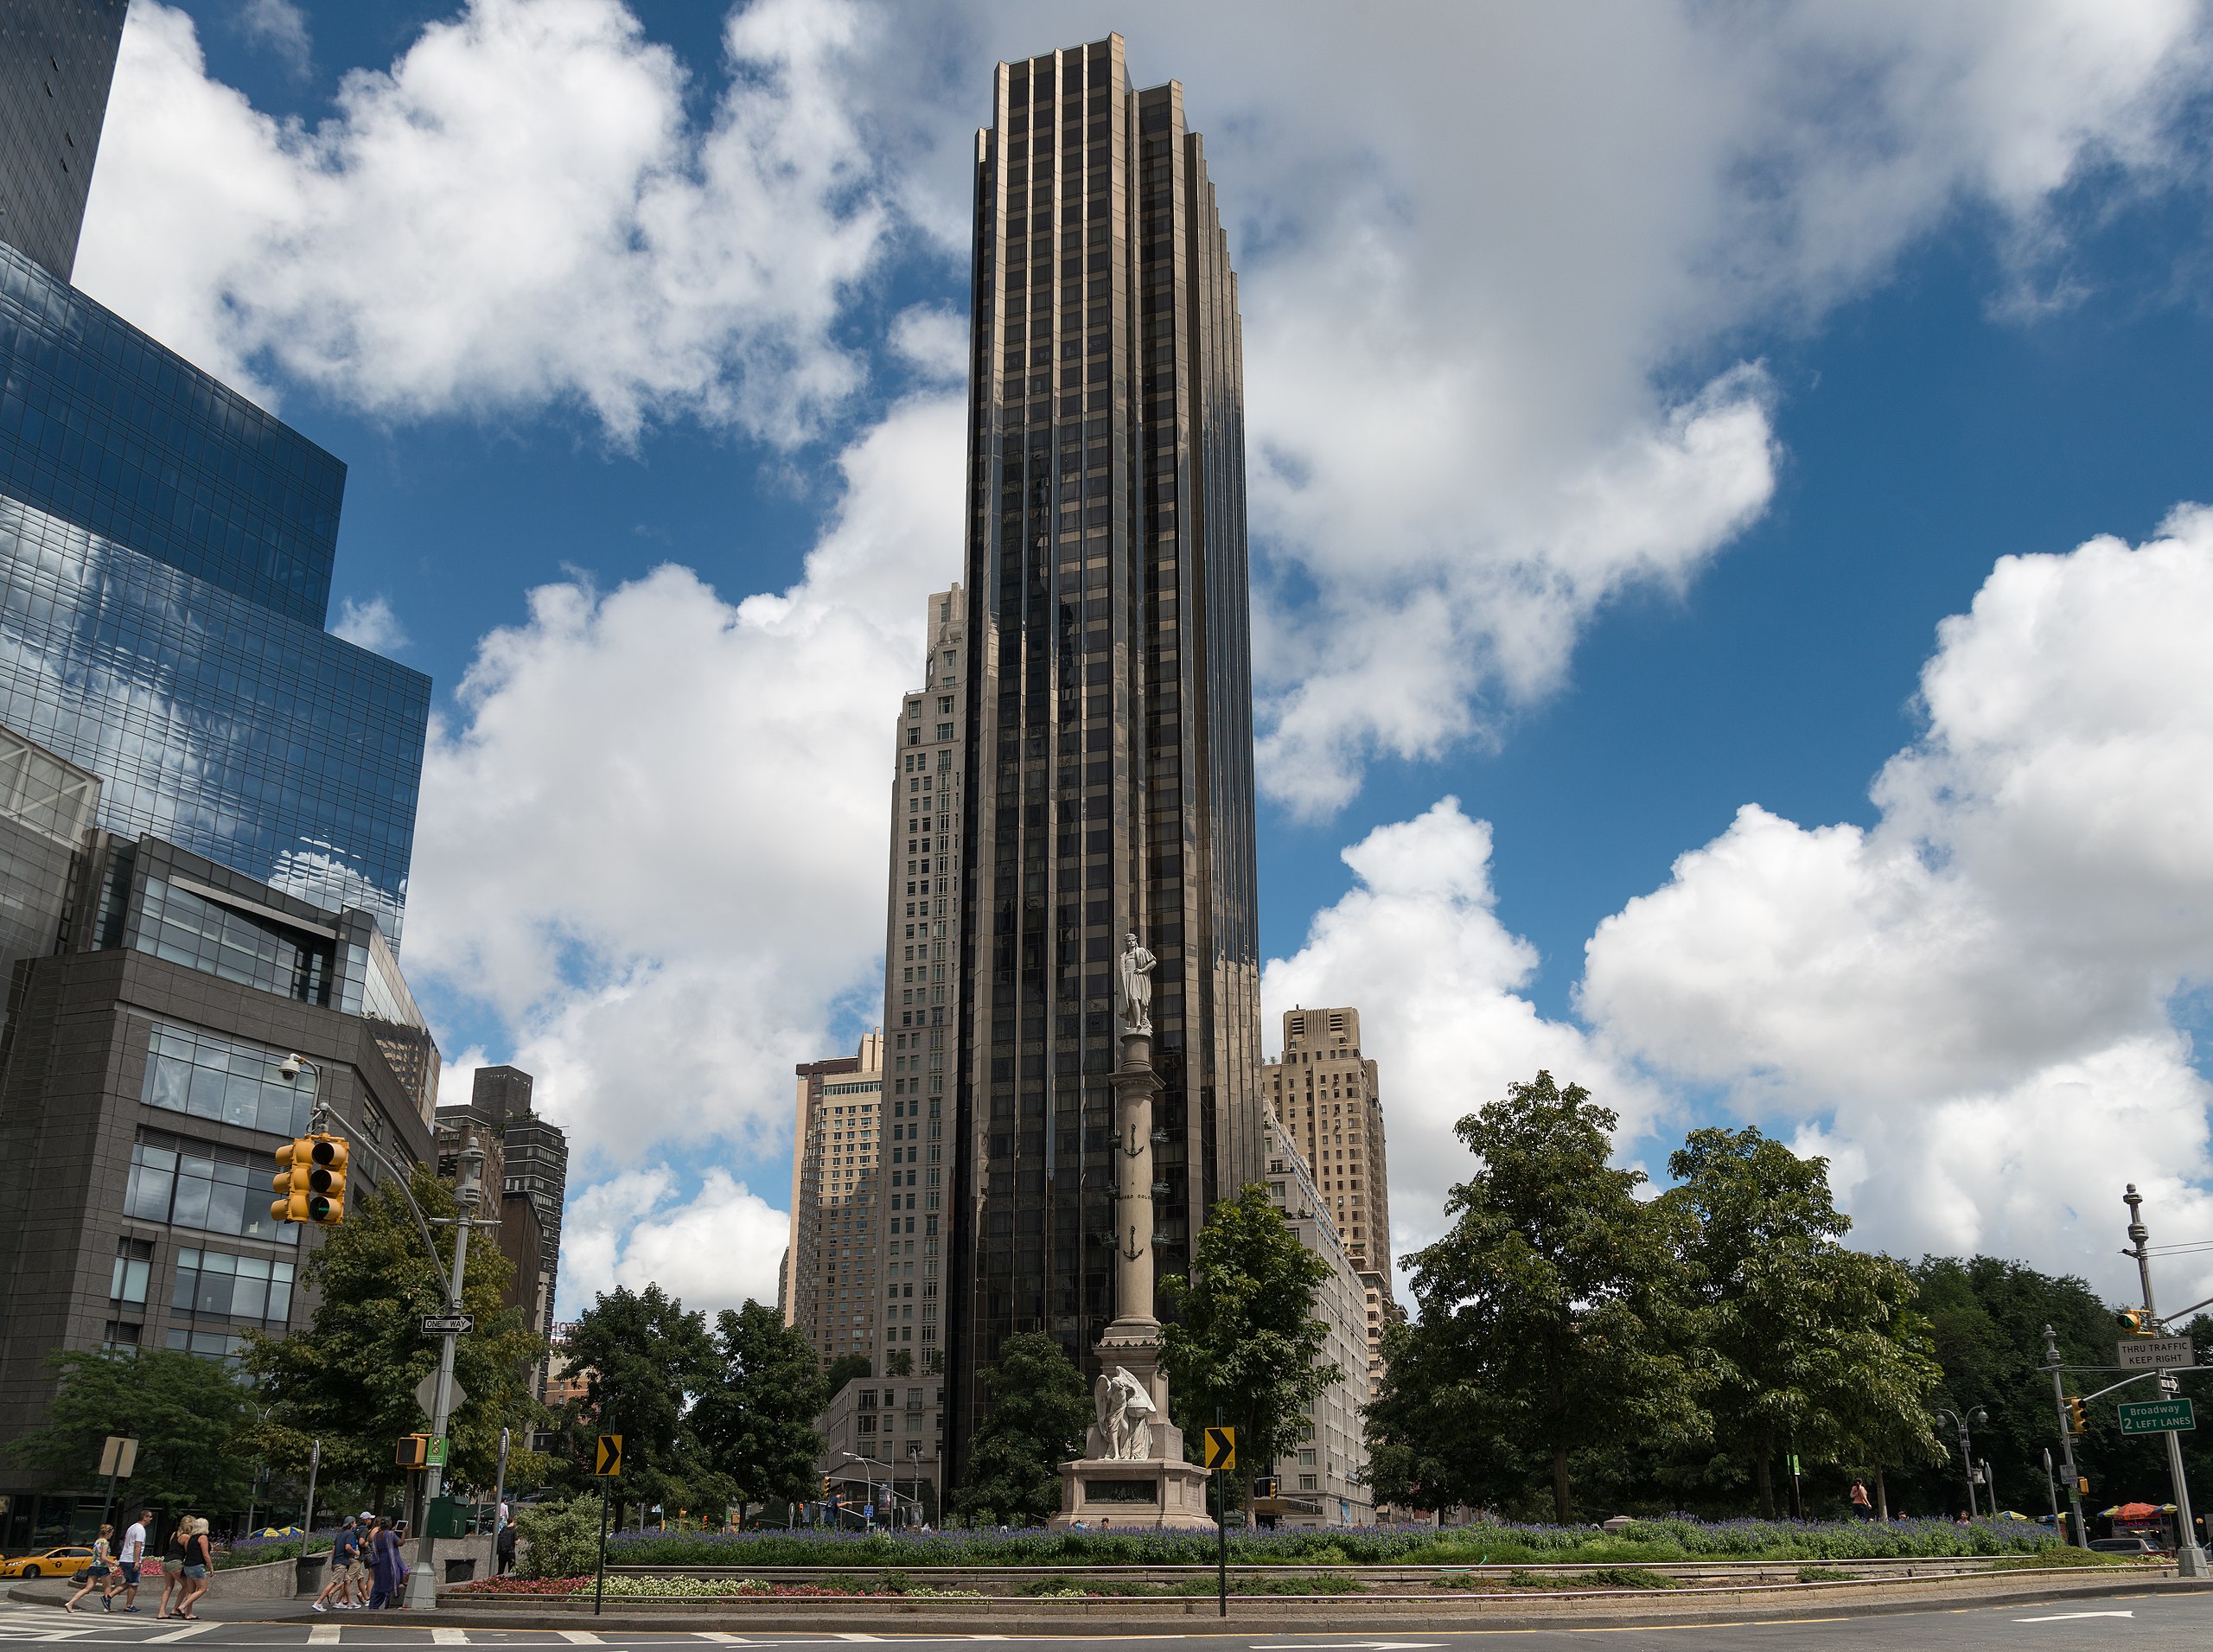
[[2157, 1417]]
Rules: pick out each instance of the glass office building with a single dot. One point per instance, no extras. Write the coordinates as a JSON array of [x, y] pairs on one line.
[[1109, 742], [56, 59], [165, 562]]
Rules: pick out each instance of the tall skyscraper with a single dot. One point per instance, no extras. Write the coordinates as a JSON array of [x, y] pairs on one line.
[[56, 60], [527, 1159], [1108, 738], [833, 1260]]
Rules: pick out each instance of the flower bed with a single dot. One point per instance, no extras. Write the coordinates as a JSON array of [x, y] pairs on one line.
[[1675, 1538]]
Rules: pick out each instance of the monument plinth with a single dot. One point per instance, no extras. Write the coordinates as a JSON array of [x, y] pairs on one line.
[[1132, 1472]]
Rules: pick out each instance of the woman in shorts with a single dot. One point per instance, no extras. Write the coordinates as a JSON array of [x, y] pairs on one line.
[[95, 1574], [173, 1568], [199, 1561]]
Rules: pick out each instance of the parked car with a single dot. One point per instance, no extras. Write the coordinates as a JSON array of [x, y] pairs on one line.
[[65, 1562], [2123, 1545]]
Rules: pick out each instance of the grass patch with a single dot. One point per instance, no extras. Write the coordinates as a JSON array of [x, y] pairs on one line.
[[1826, 1574], [1605, 1576]]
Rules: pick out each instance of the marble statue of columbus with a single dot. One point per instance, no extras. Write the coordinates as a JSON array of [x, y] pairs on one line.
[[1135, 978]]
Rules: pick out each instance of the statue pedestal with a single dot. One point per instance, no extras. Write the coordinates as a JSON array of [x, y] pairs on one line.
[[1151, 1494]]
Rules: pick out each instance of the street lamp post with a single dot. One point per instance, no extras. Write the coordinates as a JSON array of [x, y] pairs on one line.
[[1967, 1452], [2189, 1559]]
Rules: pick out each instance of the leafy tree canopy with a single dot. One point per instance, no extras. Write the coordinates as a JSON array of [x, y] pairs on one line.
[[1245, 1348], [1550, 1315], [186, 1414], [1038, 1412], [757, 1422], [844, 1368], [646, 1361], [349, 1379]]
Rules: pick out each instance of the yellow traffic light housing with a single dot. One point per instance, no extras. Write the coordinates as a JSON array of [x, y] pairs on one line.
[[2078, 1416], [414, 1452], [311, 1181], [2082, 1486], [2139, 1321]]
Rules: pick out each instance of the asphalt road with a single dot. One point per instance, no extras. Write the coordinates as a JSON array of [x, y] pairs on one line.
[[2145, 1620]]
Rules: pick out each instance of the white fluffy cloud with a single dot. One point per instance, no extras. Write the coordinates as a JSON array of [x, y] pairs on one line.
[[370, 624], [1970, 1002], [654, 844], [712, 1250], [1416, 946], [516, 212]]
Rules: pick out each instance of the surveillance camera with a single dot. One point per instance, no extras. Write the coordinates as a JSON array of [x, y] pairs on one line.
[[289, 1068]]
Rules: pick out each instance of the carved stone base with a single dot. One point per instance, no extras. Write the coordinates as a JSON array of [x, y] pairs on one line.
[[1151, 1493]]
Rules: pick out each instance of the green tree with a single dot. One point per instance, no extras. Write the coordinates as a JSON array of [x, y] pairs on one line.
[[843, 1369], [645, 1361], [349, 1378], [1245, 1348], [1815, 1347], [1550, 1315], [757, 1422], [1038, 1412], [186, 1414]]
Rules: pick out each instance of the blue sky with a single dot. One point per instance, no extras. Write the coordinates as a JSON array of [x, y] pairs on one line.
[[1634, 393]]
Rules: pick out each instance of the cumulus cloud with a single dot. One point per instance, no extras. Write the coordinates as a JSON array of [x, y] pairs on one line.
[[652, 842], [1416, 946], [712, 1250], [1970, 1003], [517, 213], [370, 624], [280, 26]]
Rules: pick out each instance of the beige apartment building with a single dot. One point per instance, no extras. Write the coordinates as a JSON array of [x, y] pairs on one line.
[[1329, 1097], [830, 1261], [1325, 1484]]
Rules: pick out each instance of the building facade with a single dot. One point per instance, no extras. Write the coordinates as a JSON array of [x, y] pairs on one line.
[[1330, 1099], [1107, 746], [1325, 1481], [142, 1099], [834, 1258], [526, 1157], [57, 58], [878, 1433]]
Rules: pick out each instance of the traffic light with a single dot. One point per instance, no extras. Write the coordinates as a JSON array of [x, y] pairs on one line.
[[825, 1488], [2139, 1321], [2082, 1486], [1265, 1486], [2078, 1416], [310, 1182], [414, 1452]]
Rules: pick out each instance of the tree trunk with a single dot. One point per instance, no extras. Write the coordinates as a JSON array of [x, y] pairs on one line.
[[1882, 1498], [1559, 1482], [1765, 1474]]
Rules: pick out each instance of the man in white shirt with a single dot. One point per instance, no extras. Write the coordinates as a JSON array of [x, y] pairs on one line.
[[134, 1552]]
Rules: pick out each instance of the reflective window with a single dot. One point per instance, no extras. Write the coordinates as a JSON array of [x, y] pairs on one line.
[[216, 1078], [199, 1185], [184, 928], [224, 1286]]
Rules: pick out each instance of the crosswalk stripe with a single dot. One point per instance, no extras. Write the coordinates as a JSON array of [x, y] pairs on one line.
[[859, 1637], [449, 1637], [581, 1636], [323, 1634], [722, 1635], [184, 1634]]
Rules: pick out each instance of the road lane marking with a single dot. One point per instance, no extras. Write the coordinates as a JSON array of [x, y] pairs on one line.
[[323, 1634], [184, 1634], [449, 1637], [581, 1636], [723, 1635], [2063, 1618]]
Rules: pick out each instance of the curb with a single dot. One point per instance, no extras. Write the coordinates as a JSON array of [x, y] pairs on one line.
[[1318, 1615]]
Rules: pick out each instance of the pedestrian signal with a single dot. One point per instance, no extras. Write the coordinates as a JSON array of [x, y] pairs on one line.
[[414, 1452], [608, 1459], [1218, 1450], [311, 1181], [2078, 1416]]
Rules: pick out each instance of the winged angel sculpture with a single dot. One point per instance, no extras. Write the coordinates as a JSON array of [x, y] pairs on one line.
[[1125, 1414]]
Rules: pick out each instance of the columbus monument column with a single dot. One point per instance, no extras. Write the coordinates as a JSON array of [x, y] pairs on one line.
[[1132, 1472]]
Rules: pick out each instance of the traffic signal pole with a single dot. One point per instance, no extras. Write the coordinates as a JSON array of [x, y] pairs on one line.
[[422, 1585], [2189, 1559], [2082, 1533]]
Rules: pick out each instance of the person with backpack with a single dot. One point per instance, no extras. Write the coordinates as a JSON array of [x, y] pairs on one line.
[[95, 1575]]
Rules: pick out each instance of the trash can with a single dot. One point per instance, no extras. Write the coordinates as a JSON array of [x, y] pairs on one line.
[[461, 1568], [307, 1575]]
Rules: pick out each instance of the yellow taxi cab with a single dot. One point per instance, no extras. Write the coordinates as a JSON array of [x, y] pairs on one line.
[[65, 1562]]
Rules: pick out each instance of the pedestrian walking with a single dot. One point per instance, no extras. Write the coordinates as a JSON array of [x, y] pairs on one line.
[[383, 1567], [503, 1551], [1862, 1507], [199, 1563], [173, 1569], [95, 1575], [343, 1549], [132, 1558]]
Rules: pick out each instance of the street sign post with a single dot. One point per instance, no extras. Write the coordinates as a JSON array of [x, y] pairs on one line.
[[2158, 1416], [449, 1324], [2157, 1354]]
